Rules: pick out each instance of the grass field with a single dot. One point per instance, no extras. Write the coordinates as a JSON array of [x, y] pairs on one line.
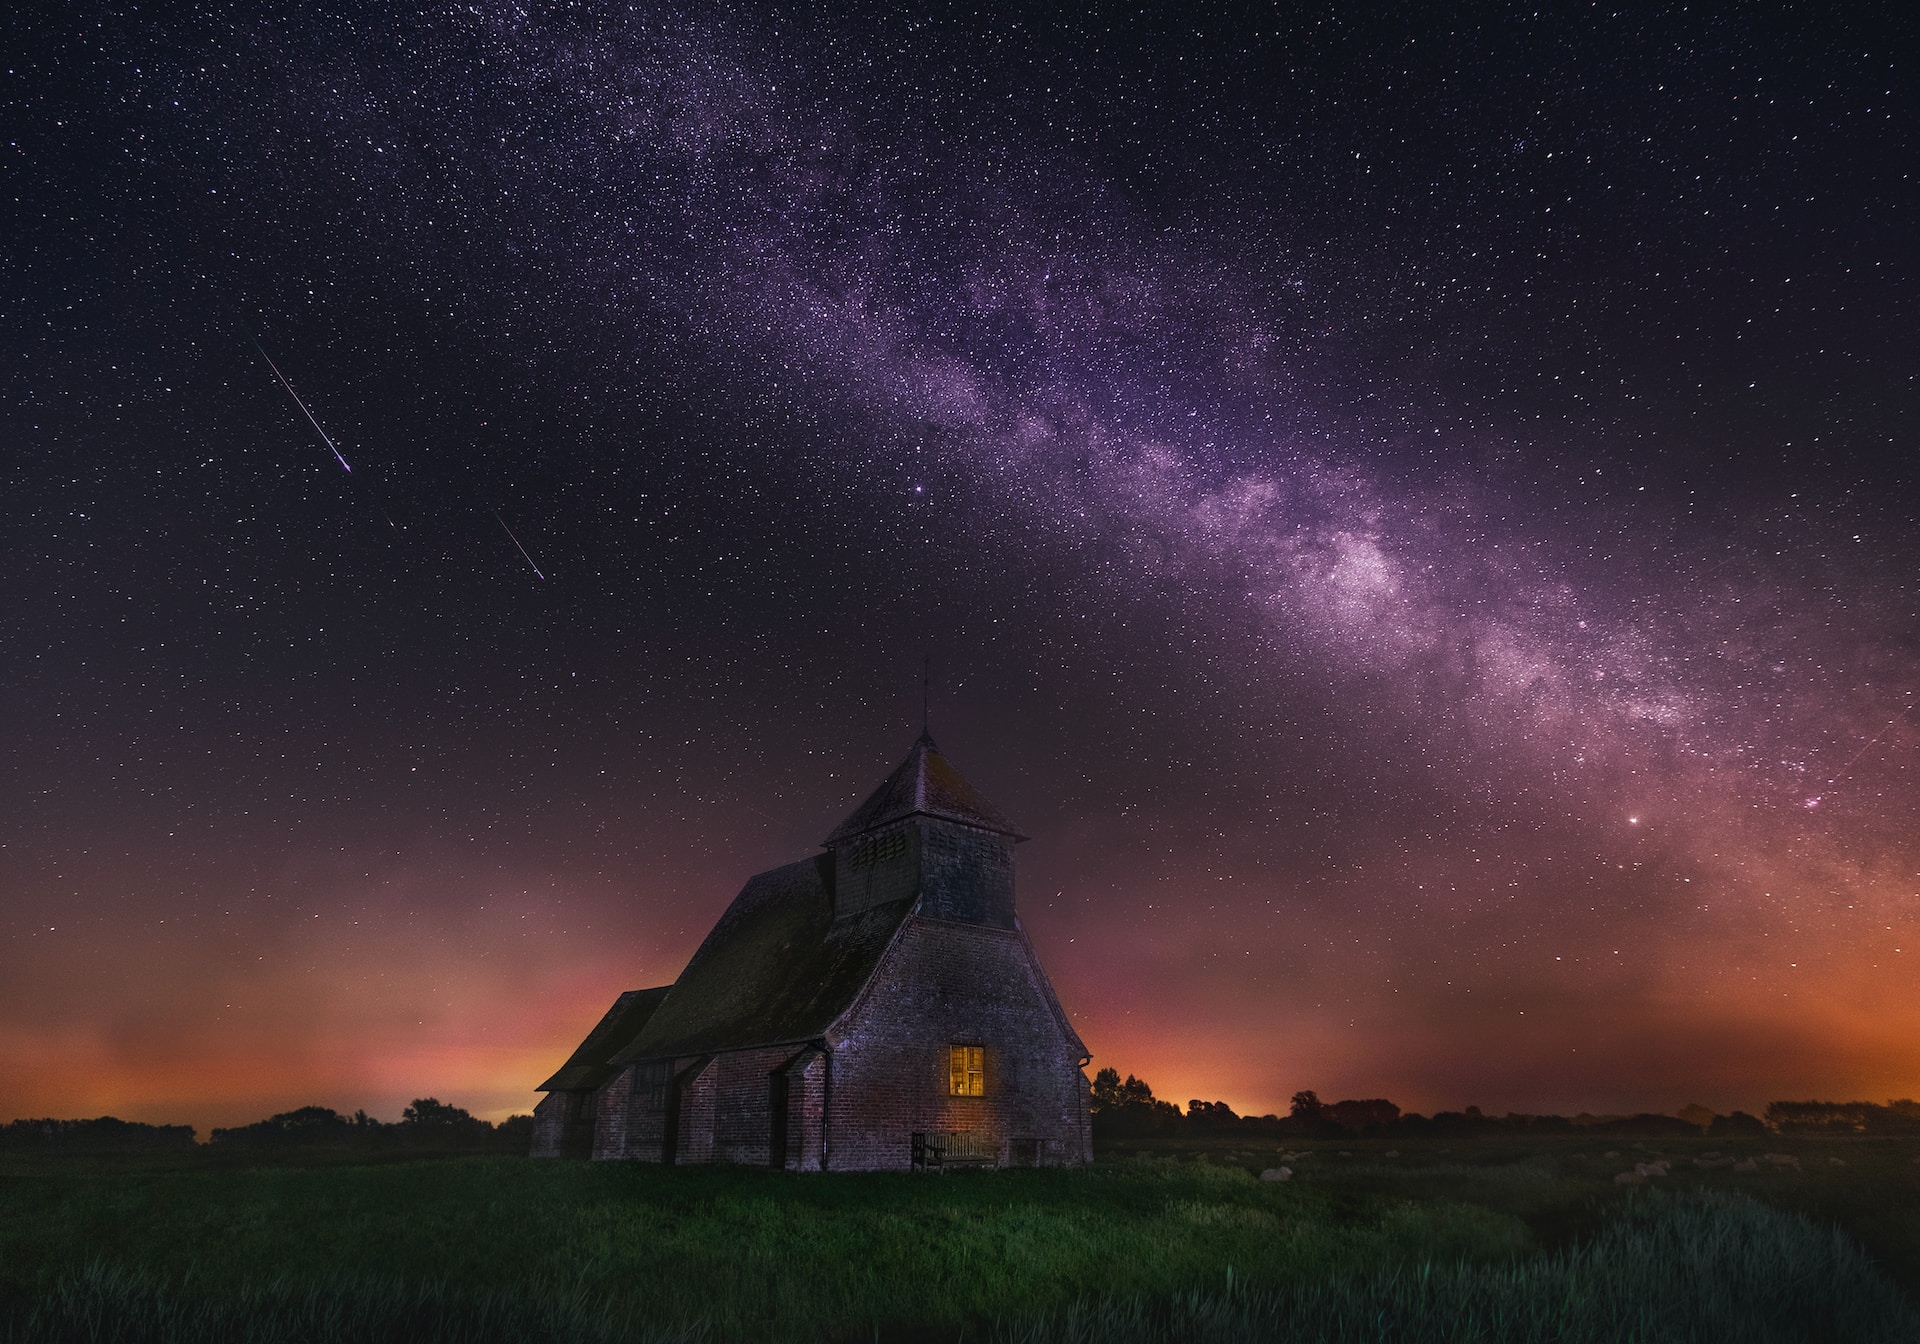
[[1506, 1240]]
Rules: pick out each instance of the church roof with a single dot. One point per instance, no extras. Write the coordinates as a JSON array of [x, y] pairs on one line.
[[777, 968], [925, 785], [590, 1065]]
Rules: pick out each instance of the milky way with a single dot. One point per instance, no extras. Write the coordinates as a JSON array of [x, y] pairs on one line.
[[1416, 519]]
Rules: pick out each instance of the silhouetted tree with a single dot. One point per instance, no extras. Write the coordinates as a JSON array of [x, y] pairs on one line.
[[1306, 1105], [303, 1126], [1738, 1125], [1210, 1114], [1106, 1090], [429, 1112], [514, 1134], [1130, 1106]]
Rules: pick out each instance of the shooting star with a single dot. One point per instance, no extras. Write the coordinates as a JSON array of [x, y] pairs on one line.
[[516, 543], [1846, 771], [302, 405]]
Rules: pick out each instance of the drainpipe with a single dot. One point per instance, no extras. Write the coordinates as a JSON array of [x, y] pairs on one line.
[[826, 1100]]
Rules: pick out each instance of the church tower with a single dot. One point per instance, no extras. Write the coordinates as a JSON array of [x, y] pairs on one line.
[[927, 836]]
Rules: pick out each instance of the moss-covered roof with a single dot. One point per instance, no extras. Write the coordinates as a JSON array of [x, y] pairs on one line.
[[925, 785], [591, 1065], [777, 968]]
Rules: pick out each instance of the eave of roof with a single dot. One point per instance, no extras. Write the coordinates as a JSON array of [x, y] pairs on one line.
[[590, 1065]]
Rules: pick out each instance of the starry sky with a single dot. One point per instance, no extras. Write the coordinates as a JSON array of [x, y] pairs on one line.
[[1414, 513]]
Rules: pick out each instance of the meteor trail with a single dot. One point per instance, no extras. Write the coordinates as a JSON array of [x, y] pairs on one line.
[[302, 405], [516, 543], [1854, 759]]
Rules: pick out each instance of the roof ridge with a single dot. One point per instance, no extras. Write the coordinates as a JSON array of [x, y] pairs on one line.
[[924, 784]]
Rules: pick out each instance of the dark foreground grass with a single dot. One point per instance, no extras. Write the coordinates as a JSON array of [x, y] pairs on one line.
[[1525, 1247], [1697, 1270], [749, 1254]]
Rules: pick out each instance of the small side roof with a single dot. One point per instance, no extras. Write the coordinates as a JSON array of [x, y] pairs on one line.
[[591, 1065], [925, 785], [778, 968]]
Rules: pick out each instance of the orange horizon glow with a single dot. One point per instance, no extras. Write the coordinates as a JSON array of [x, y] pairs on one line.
[[369, 1010]]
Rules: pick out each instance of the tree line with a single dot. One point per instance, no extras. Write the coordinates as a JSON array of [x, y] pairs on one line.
[[1845, 1117], [427, 1124], [1126, 1107]]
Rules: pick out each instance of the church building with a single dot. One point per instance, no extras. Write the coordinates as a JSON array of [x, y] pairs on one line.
[[874, 1007]]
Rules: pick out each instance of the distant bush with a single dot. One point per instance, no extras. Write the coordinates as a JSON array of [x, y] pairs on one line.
[[103, 1135]]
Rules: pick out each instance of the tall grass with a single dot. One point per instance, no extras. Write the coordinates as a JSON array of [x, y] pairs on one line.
[[1699, 1270], [474, 1251], [106, 1305], [752, 1254]]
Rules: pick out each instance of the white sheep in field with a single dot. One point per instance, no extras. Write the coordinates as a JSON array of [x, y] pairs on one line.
[[1642, 1171]]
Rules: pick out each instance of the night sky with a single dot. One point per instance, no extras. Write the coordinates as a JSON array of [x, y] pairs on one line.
[[1415, 516]]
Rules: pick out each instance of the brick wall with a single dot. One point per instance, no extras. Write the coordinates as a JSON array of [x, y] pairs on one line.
[[610, 1117], [943, 984], [550, 1119], [806, 1110], [743, 1112], [650, 1088], [696, 1086]]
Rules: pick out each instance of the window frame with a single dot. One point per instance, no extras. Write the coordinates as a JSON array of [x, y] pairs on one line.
[[966, 1069]]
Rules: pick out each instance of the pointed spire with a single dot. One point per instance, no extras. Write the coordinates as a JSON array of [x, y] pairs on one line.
[[925, 785]]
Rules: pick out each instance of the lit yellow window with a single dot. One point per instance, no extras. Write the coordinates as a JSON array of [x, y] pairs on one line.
[[967, 1070]]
